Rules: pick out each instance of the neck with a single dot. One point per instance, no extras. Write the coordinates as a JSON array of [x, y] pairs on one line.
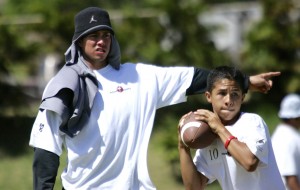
[[94, 65], [294, 123], [232, 121]]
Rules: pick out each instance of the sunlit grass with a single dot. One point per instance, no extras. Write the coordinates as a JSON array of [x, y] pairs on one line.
[[15, 172]]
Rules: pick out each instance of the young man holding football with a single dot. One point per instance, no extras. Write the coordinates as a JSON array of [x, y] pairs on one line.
[[242, 156]]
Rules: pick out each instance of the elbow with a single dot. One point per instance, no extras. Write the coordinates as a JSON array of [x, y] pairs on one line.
[[251, 164], [250, 168], [191, 187], [187, 187]]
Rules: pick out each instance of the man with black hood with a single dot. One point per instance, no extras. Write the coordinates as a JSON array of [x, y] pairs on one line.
[[102, 111]]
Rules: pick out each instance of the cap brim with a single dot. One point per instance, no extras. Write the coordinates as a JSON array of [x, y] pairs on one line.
[[91, 30]]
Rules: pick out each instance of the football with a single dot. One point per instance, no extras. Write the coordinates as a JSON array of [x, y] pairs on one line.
[[196, 134]]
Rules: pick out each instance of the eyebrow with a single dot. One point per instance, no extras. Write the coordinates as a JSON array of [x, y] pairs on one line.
[[225, 89]]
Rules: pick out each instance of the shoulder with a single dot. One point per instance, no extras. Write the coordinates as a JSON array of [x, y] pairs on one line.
[[286, 131], [141, 67], [66, 75], [252, 119], [67, 78], [70, 69], [251, 116]]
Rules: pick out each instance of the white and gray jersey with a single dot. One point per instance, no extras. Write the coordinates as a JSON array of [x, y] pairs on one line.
[[110, 152]]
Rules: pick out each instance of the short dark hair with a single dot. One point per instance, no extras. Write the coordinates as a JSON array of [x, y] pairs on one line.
[[225, 72]]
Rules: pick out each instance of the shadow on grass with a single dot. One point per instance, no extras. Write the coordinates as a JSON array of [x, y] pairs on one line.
[[14, 136]]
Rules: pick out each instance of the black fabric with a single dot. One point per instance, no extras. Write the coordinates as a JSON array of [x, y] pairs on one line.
[[246, 83], [45, 166], [66, 95], [198, 85], [90, 18]]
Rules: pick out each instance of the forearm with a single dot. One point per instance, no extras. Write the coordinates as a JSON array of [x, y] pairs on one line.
[[45, 166], [239, 151], [292, 182], [192, 179]]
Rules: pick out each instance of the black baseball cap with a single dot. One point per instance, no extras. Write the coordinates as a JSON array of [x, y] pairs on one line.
[[90, 20]]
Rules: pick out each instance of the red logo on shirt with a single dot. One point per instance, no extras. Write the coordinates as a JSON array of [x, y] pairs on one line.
[[119, 89]]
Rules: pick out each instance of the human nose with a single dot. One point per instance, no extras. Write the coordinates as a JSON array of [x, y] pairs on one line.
[[228, 100], [100, 40], [103, 41]]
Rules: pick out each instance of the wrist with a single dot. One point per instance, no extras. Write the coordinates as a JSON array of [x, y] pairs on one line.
[[183, 147], [227, 142], [221, 131]]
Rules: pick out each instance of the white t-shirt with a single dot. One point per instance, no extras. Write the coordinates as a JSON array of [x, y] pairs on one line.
[[215, 163], [286, 145], [111, 150]]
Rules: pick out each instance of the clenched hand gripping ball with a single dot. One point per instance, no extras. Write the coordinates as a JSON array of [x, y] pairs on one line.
[[196, 134]]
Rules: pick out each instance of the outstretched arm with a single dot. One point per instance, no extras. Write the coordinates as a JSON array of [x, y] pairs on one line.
[[260, 82], [192, 179]]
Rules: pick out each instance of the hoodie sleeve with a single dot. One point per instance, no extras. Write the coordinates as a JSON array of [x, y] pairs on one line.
[[45, 167]]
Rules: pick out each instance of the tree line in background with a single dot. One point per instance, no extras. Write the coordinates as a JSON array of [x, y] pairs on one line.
[[160, 32]]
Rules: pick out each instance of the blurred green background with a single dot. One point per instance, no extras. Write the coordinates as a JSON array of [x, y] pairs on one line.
[[256, 36]]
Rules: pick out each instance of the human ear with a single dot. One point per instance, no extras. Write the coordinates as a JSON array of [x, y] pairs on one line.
[[79, 43], [208, 96], [243, 97]]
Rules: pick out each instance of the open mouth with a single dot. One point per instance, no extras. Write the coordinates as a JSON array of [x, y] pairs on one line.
[[227, 110], [100, 50]]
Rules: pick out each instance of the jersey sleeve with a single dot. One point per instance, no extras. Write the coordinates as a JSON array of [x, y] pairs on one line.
[[45, 132], [203, 167], [171, 83], [257, 137]]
